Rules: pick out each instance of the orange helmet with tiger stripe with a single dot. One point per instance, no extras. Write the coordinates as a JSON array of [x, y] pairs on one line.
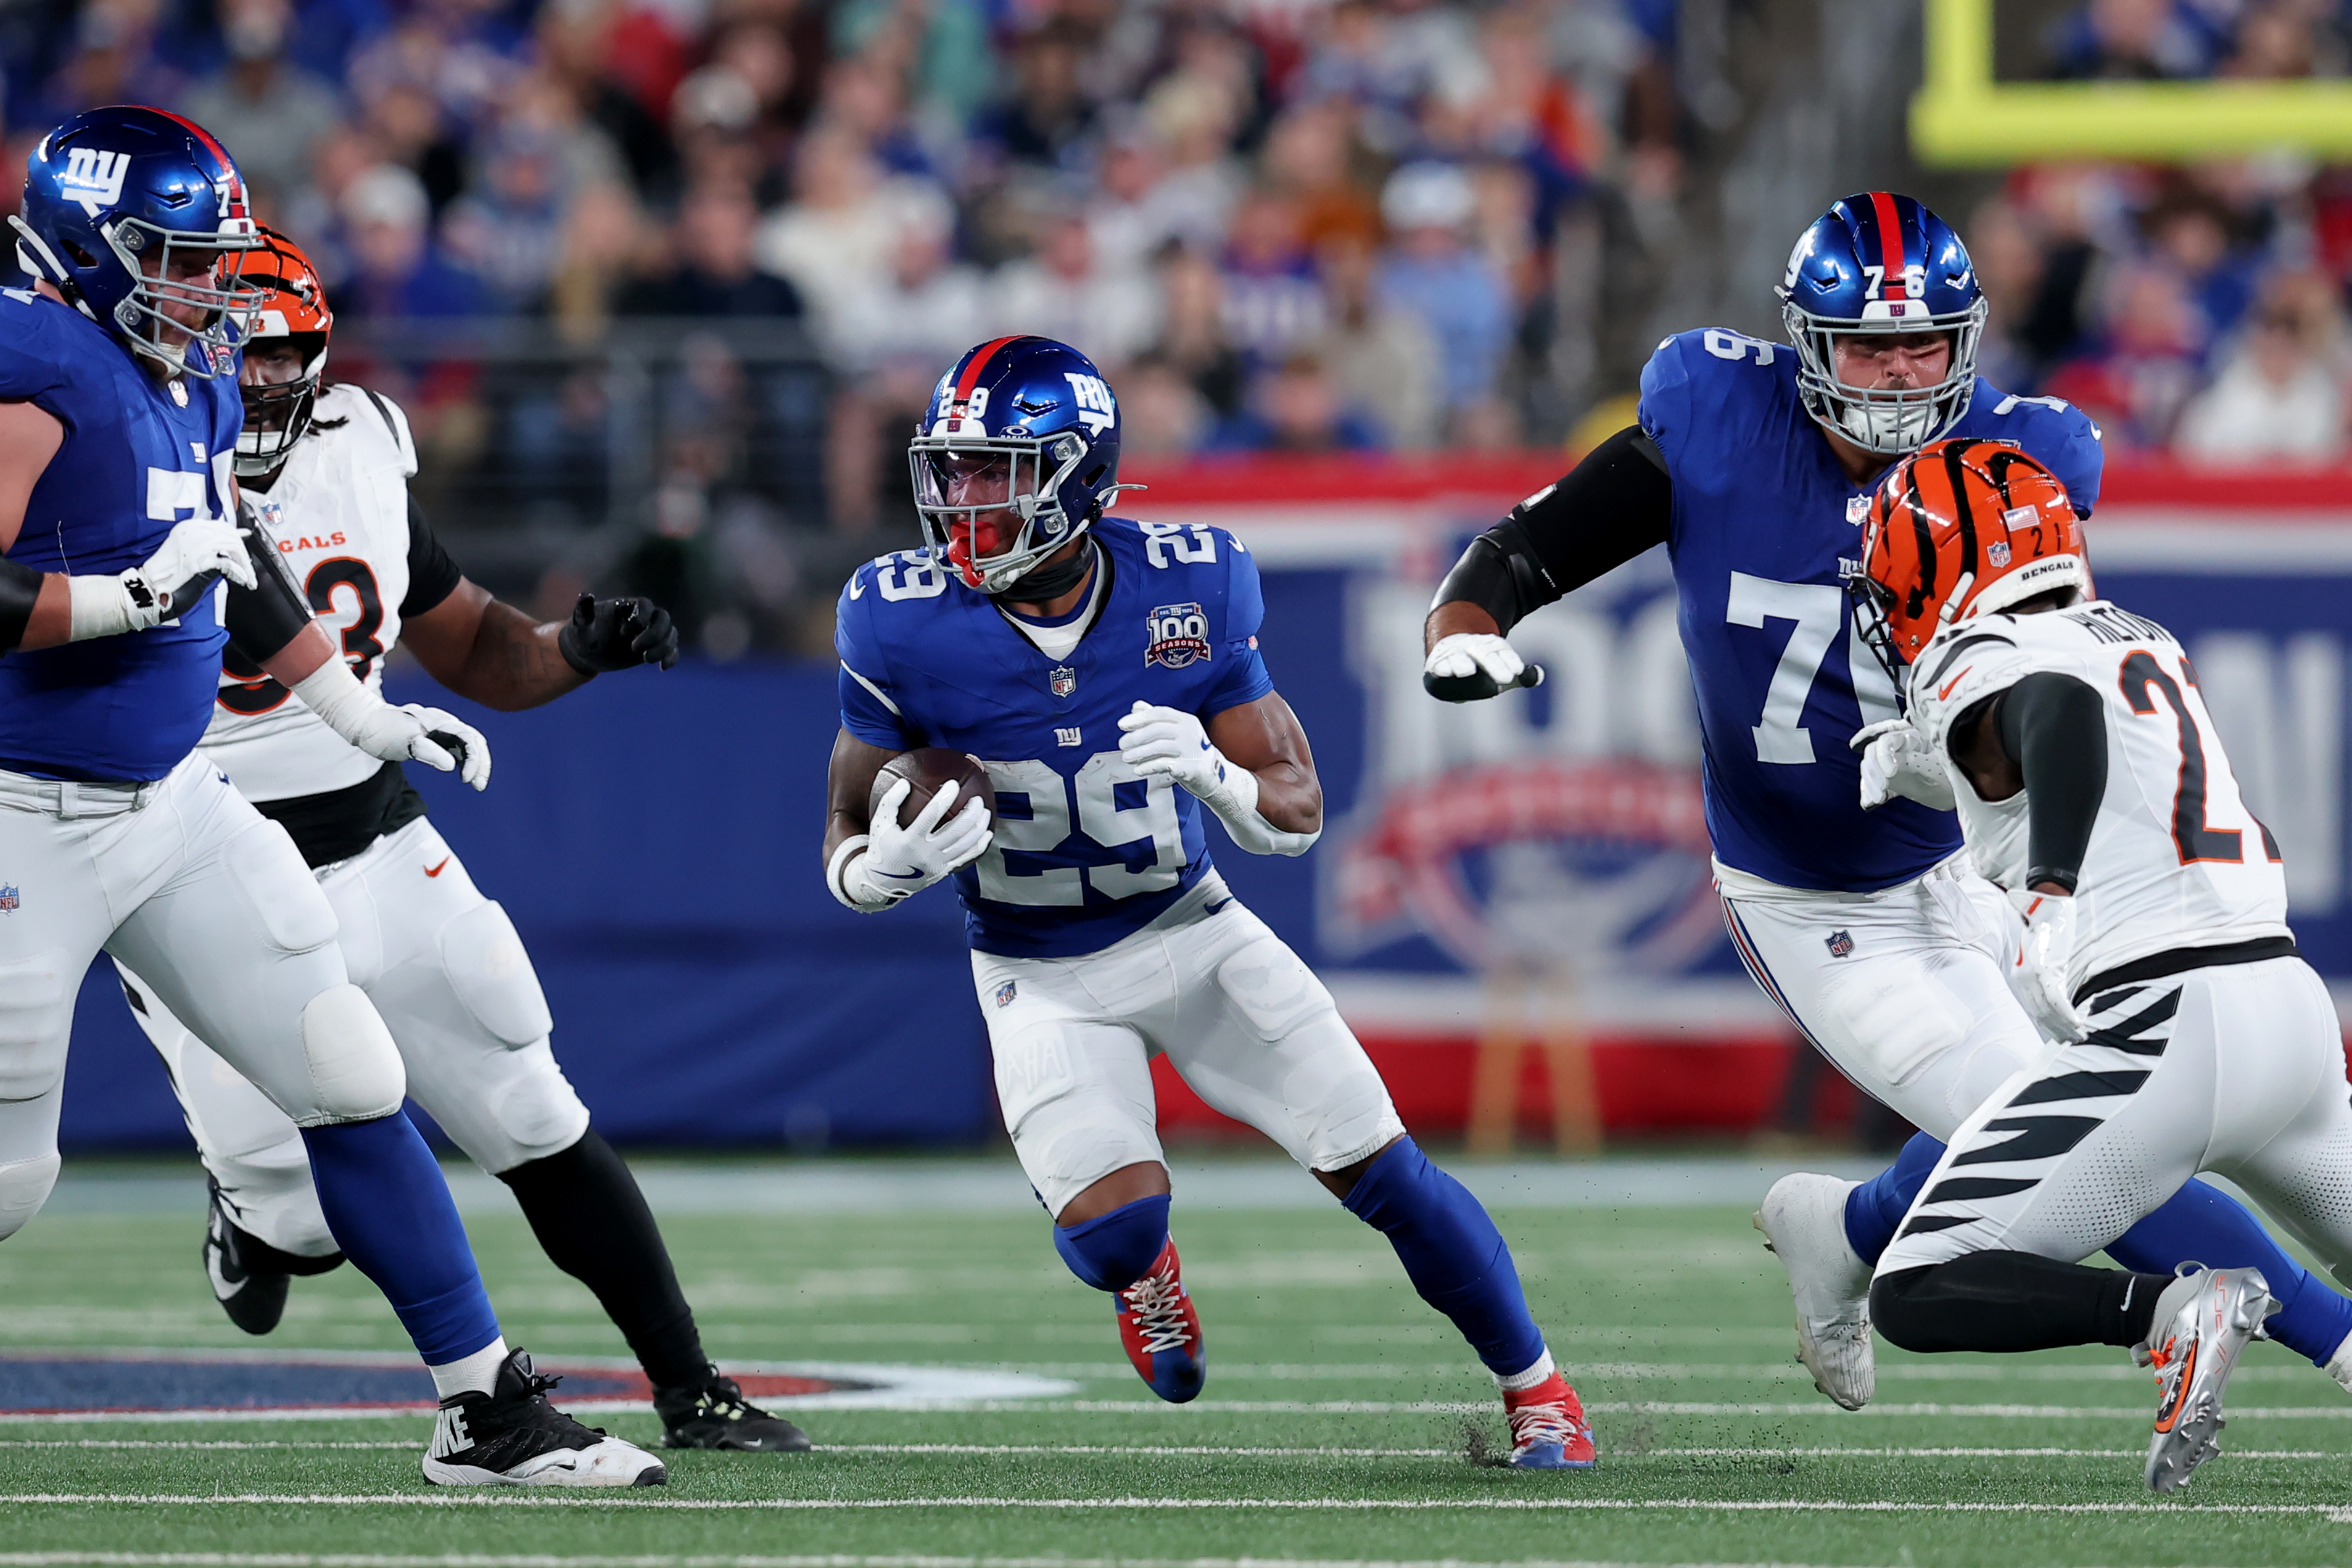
[[1962, 528], [291, 306]]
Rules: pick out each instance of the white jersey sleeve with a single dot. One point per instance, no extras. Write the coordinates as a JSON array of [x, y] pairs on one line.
[[339, 511], [2175, 860]]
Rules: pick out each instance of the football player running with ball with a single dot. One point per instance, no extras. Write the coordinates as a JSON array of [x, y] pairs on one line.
[[326, 470], [119, 427], [1107, 674], [1754, 466], [2193, 1036]]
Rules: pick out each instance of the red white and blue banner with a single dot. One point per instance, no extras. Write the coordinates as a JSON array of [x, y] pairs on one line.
[[654, 837]]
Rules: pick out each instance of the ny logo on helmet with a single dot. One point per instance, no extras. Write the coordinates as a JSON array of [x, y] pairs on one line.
[[93, 177], [1096, 407]]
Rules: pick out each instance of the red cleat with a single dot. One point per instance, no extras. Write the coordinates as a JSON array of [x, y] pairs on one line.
[[1548, 1431], [1161, 1332]]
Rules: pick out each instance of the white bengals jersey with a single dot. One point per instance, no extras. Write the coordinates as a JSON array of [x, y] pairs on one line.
[[2175, 860], [339, 511]]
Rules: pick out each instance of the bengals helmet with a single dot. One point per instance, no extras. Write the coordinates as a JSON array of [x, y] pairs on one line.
[[1962, 528], [291, 304]]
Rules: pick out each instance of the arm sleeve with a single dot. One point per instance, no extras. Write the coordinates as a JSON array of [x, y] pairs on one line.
[[1244, 679], [432, 576], [263, 618], [869, 710], [1609, 508], [20, 585], [2055, 727]]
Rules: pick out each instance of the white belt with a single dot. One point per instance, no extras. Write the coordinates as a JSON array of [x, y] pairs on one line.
[[67, 799]]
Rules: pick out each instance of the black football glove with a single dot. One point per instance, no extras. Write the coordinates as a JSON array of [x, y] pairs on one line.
[[616, 634]]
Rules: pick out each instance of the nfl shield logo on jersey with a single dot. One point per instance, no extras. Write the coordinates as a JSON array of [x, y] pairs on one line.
[[1180, 636], [1062, 681], [1839, 943], [1007, 992], [8, 898]]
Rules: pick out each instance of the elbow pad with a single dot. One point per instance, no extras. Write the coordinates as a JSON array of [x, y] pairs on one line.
[[20, 586], [1500, 575], [263, 618]]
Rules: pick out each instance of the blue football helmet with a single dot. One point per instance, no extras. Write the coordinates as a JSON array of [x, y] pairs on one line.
[[129, 210], [1022, 427], [1881, 263]]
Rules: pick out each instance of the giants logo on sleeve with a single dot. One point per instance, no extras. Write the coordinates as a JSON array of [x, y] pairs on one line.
[[1179, 636]]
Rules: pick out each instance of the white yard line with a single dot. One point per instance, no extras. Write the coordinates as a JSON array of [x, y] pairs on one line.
[[453, 1560], [2332, 1512]]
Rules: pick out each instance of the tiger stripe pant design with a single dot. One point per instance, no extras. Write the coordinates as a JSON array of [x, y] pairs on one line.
[[2237, 1070]]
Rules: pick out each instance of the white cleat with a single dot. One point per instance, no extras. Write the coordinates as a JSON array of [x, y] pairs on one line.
[[1803, 1222], [513, 1438], [2339, 1365], [2203, 1321]]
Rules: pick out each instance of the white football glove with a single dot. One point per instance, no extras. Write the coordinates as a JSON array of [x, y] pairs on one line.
[[1167, 743], [2040, 979], [411, 734], [1465, 654], [155, 592], [901, 861], [1897, 760]]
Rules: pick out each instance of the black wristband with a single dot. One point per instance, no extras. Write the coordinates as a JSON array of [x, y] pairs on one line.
[[20, 589], [263, 618]]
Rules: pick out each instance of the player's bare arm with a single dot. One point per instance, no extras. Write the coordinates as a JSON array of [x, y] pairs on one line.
[[849, 789], [36, 606], [1266, 738], [490, 652]]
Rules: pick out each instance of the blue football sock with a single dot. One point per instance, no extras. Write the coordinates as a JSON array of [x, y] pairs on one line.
[[390, 1212], [2201, 1224], [1451, 1253], [1113, 1250], [1876, 1208]]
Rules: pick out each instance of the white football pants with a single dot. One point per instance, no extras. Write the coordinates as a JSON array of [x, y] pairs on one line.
[[186, 882], [2237, 1070], [1241, 1018], [1904, 989], [444, 968]]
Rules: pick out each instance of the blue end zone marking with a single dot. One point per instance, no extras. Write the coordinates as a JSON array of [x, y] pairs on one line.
[[62, 1383]]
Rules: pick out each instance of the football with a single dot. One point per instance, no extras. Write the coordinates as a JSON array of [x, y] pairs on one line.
[[929, 768]]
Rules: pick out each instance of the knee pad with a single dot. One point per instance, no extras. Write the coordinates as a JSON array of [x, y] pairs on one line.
[[536, 1111], [24, 1188], [1112, 1251], [355, 1071], [492, 973]]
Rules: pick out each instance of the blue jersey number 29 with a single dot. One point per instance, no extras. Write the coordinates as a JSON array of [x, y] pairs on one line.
[[1034, 806]]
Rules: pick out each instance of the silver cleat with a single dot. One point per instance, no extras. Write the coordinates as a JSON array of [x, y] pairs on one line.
[[2203, 1321], [1803, 1222]]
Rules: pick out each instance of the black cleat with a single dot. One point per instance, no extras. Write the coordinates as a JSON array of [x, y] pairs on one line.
[[250, 1275], [717, 1416], [513, 1436]]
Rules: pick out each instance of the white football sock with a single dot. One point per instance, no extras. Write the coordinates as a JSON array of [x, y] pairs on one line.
[[476, 1374], [1520, 1382]]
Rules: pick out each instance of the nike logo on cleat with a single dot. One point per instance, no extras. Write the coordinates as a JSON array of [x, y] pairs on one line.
[[435, 871]]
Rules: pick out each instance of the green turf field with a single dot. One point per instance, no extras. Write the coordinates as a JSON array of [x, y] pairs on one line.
[[1340, 1423]]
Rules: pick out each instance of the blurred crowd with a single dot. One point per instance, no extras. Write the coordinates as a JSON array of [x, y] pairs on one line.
[[1278, 225], [2196, 310]]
